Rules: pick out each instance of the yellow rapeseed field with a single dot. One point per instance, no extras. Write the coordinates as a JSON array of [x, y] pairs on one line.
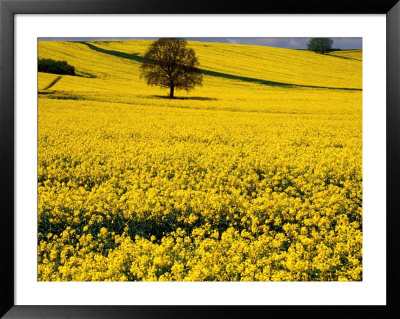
[[254, 176]]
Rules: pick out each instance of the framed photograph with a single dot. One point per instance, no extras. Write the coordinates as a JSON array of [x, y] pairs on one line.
[[162, 159]]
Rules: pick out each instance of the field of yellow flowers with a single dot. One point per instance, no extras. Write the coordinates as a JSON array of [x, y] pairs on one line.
[[254, 176]]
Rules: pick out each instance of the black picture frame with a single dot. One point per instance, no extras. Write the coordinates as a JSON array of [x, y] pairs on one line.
[[8, 8]]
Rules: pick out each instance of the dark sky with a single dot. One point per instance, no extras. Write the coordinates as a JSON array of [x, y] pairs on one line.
[[292, 43]]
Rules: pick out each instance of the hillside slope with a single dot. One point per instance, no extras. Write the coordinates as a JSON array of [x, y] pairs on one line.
[[258, 62], [280, 80]]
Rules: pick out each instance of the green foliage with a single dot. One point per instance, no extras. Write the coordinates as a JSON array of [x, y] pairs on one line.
[[169, 63], [56, 67], [320, 45]]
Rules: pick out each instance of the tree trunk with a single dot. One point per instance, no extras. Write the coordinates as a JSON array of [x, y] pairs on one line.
[[171, 91]]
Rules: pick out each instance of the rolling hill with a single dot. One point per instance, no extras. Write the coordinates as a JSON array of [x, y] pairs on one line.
[[254, 176]]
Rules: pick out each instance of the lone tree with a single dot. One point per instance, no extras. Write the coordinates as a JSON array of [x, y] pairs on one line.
[[320, 45], [169, 63]]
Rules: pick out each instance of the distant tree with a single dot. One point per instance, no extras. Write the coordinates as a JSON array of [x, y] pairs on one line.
[[56, 67], [170, 64], [320, 45]]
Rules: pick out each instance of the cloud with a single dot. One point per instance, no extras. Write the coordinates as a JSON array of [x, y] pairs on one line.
[[234, 41]]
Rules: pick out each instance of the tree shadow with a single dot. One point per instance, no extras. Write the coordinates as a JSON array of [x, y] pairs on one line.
[[198, 98], [85, 75]]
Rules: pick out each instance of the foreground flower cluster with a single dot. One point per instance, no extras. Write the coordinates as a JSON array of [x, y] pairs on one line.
[[200, 190]]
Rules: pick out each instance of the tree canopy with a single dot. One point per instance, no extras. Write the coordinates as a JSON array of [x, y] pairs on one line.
[[56, 67], [320, 45], [169, 63]]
